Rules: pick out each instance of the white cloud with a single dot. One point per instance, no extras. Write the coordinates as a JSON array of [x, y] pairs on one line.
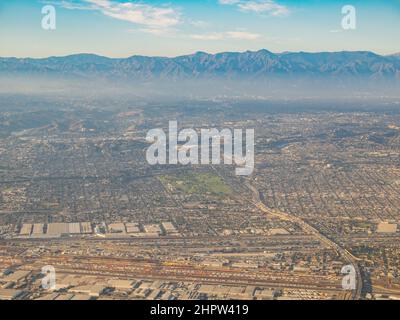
[[198, 23], [335, 31], [229, 1], [208, 36], [237, 35], [139, 13], [164, 32], [242, 35], [259, 6]]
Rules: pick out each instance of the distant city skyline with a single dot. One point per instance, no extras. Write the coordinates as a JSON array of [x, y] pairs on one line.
[[171, 28]]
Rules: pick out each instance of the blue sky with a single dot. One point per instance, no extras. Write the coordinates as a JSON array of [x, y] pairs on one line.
[[121, 28]]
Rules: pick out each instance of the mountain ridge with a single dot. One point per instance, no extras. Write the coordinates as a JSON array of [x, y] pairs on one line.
[[261, 64], [201, 52]]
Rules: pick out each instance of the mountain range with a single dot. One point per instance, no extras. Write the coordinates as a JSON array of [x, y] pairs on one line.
[[261, 64]]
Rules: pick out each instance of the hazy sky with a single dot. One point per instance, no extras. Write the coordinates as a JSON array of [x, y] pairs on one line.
[[121, 28]]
